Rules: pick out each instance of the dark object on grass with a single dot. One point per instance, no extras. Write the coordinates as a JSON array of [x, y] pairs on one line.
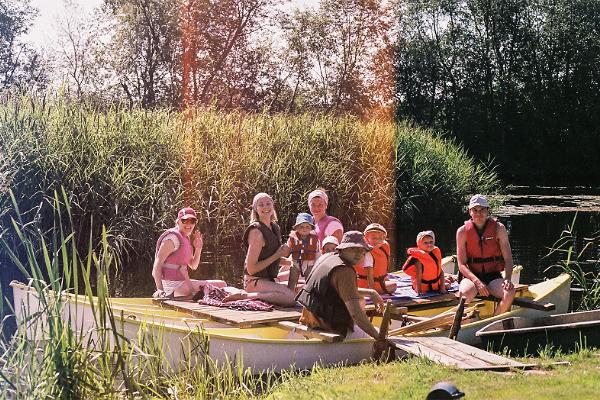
[[444, 391]]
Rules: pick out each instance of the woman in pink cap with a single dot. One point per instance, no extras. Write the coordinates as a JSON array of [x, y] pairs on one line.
[[265, 250], [325, 225], [175, 252]]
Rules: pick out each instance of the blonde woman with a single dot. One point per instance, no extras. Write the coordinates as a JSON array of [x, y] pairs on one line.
[[265, 249]]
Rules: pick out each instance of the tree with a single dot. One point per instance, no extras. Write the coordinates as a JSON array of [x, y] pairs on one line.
[[19, 64], [516, 79], [332, 51], [144, 52]]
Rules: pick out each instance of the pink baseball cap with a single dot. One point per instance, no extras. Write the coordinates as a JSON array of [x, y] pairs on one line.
[[186, 213]]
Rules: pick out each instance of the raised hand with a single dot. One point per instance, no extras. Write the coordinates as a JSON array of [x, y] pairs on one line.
[[198, 242]]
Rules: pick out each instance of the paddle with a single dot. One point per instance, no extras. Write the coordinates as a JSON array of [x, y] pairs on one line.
[[378, 348], [439, 320]]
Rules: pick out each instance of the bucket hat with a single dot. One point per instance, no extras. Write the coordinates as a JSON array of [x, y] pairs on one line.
[[354, 239], [304, 218]]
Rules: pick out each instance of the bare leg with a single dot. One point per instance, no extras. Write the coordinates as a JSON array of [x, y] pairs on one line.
[[506, 296], [272, 292], [467, 289], [184, 290]]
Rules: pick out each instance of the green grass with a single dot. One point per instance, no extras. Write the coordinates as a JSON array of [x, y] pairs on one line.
[[413, 379]]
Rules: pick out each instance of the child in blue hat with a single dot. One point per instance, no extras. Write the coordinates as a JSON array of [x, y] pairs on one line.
[[304, 245]]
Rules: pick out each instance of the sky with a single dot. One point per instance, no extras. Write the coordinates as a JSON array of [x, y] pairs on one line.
[[43, 30]]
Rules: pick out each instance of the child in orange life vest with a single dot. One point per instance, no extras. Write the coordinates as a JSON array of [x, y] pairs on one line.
[[373, 271], [424, 265], [304, 246], [329, 244]]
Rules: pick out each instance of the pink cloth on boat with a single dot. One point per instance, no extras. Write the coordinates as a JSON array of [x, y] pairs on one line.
[[213, 296]]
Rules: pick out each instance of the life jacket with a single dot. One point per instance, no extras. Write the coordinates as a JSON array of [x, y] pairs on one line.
[[432, 268], [320, 297], [322, 225], [182, 257], [483, 248], [304, 249], [381, 260], [272, 238]]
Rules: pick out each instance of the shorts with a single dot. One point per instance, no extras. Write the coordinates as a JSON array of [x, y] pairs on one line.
[[486, 278]]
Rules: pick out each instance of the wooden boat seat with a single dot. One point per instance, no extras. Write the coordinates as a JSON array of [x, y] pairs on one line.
[[238, 318]]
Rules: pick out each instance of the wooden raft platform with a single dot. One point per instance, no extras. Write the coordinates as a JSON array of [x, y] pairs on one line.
[[230, 316], [452, 353], [441, 300]]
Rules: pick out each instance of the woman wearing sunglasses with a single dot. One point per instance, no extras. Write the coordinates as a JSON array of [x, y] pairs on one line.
[[177, 249]]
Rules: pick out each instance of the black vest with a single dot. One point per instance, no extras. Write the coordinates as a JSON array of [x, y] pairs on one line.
[[320, 298], [272, 238]]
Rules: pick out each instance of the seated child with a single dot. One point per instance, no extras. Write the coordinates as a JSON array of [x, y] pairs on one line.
[[373, 271], [329, 244], [424, 265], [304, 246]]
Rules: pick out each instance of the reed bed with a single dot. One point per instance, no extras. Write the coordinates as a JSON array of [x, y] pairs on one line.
[[579, 259], [131, 170]]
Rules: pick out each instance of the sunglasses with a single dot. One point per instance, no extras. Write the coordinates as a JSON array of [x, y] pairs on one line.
[[189, 221]]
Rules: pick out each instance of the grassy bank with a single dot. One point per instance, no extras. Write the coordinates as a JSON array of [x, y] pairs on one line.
[[414, 378], [131, 170]]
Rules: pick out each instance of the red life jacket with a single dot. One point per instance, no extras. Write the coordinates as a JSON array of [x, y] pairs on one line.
[[381, 260], [483, 248], [304, 250], [182, 257], [432, 268]]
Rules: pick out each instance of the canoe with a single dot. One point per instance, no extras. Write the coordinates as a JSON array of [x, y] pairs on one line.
[[522, 335], [261, 347]]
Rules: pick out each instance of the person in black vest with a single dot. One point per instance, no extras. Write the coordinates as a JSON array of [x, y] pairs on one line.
[[331, 298], [263, 240]]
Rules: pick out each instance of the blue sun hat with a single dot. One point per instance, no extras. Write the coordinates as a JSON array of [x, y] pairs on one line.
[[304, 218]]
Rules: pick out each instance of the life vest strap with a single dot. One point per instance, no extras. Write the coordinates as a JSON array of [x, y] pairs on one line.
[[475, 260]]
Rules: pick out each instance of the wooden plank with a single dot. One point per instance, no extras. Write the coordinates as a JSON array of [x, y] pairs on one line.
[[462, 359], [418, 349], [471, 352], [450, 352], [309, 332], [230, 316]]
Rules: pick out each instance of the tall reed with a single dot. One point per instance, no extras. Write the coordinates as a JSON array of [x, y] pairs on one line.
[[579, 259], [131, 170], [57, 354]]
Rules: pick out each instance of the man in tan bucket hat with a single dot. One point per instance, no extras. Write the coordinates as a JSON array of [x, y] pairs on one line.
[[331, 298]]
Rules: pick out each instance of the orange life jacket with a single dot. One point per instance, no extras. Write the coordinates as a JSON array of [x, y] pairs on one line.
[[304, 250], [381, 260], [432, 268], [483, 248]]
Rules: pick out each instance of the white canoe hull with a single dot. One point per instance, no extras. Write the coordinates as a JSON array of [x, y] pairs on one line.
[[258, 348]]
